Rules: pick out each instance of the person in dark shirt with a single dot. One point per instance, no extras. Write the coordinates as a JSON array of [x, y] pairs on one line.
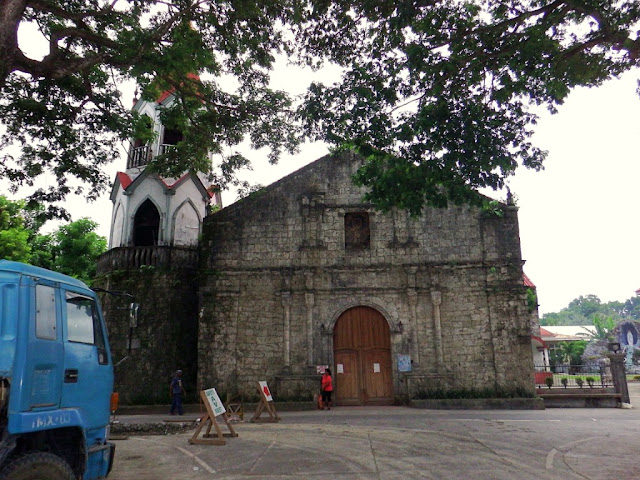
[[176, 391]]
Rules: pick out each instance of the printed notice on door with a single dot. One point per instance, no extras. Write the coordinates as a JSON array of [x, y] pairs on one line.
[[340, 368], [376, 368]]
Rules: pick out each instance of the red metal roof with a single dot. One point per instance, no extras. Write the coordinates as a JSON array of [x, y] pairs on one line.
[[527, 282], [546, 333], [164, 95], [124, 179], [539, 341]]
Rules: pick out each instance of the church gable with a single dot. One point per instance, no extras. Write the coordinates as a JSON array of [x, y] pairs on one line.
[[317, 216]]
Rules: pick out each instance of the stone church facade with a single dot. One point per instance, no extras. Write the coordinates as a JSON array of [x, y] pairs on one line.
[[304, 274]]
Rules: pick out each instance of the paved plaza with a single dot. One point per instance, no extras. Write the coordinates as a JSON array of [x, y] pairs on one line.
[[389, 443]]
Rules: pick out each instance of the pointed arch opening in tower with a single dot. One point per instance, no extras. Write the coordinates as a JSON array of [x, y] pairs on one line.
[[146, 225]]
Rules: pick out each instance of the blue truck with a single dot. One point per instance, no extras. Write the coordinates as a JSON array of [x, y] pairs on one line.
[[56, 377]]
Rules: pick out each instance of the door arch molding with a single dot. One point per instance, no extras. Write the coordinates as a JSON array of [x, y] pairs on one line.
[[391, 321]]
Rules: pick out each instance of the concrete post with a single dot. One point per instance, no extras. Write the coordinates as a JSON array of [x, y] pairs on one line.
[[309, 301], [286, 305], [436, 299], [619, 375]]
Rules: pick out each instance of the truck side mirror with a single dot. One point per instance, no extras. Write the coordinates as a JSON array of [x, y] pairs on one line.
[[133, 315]]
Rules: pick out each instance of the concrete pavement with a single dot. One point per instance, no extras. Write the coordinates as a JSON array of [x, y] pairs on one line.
[[389, 443]]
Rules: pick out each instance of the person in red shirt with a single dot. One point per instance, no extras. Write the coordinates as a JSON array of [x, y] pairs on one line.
[[327, 389]]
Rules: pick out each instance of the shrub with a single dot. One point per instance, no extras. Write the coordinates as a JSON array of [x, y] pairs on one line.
[[564, 381], [590, 381], [549, 381], [580, 381], [440, 392]]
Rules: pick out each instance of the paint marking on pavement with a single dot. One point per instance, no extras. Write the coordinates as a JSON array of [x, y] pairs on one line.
[[197, 459], [204, 464], [550, 456], [501, 420], [565, 448]]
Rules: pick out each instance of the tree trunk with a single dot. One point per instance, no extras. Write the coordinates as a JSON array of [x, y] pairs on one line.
[[11, 12]]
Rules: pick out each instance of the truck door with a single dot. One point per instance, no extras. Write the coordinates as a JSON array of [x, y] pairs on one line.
[[43, 363], [88, 376]]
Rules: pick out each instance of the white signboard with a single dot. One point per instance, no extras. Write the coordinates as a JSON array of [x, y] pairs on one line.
[[340, 368], [214, 400], [376, 368], [266, 391]]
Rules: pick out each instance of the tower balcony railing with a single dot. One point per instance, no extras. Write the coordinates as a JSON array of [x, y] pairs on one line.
[[139, 156], [165, 148], [132, 258]]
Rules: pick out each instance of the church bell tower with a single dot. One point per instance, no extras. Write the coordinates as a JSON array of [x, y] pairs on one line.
[[153, 255], [149, 210]]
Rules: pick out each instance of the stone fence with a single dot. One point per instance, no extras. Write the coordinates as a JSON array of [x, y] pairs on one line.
[[132, 258]]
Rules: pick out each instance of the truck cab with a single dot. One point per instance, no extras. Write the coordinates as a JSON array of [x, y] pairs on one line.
[[56, 377]]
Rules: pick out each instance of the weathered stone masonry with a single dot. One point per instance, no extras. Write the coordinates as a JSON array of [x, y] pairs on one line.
[[276, 276]]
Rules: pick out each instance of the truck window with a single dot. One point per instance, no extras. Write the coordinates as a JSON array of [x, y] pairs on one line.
[[83, 323], [46, 313]]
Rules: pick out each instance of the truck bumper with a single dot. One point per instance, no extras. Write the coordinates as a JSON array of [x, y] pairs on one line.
[[100, 460], [112, 454]]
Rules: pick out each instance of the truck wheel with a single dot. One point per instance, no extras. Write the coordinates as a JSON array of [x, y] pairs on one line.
[[37, 466]]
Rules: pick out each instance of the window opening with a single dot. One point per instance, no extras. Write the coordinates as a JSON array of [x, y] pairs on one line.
[[46, 313], [83, 323]]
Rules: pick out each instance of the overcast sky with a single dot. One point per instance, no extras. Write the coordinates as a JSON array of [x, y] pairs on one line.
[[579, 226], [578, 217]]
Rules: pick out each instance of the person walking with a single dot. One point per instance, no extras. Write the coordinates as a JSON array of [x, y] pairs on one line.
[[327, 389], [176, 391]]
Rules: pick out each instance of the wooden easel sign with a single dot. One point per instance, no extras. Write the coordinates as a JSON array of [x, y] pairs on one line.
[[266, 403], [215, 408]]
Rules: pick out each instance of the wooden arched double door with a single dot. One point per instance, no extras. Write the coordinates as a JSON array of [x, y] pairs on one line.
[[362, 355]]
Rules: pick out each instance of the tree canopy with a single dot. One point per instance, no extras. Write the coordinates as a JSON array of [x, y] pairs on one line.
[[438, 95], [590, 310], [72, 249]]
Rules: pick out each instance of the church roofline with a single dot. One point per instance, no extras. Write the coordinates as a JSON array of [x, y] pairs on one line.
[[129, 185], [302, 171], [272, 186], [123, 180]]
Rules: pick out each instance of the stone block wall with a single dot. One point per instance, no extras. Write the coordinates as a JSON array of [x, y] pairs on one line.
[[166, 336]]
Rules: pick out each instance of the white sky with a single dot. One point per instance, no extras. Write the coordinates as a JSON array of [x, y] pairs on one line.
[[578, 218], [579, 226]]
